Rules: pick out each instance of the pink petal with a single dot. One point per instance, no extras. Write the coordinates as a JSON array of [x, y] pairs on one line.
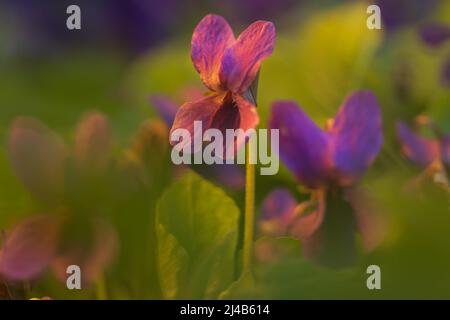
[[242, 60], [93, 261], [210, 39], [29, 248], [305, 226], [93, 142], [249, 118], [38, 157], [201, 110], [370, 224], [235, 113]]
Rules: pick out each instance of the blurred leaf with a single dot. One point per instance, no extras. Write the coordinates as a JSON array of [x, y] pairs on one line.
[[245, 281], [269, 250], [320, 63], [301, 279], [197, 226], [168, 70], [173, 262]]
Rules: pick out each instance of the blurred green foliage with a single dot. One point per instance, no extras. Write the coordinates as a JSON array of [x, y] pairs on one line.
[[193, 249]]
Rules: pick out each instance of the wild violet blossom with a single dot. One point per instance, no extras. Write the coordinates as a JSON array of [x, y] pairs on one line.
[[324, 161], [228, 67], [431, 154], [44, 164]]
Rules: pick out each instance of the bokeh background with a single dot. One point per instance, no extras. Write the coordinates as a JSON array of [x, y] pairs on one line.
[[128, 51]]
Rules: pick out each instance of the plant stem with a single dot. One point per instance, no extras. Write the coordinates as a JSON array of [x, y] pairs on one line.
[[249, 211], [101, 288]]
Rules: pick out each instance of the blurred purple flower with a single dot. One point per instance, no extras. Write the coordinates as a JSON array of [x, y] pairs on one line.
[[38, 157], [428, 153], [227, 66], [132, 25], [41, 159], [420, 150], [436, 35], [339, 155], [141, 25], [277, 213], [397, 13], [37, 243], [42, 162], [29, 248], [332, 159]]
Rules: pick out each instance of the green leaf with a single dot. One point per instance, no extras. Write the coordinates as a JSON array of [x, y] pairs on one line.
[[173, 261], [246, 282], [197, 226]]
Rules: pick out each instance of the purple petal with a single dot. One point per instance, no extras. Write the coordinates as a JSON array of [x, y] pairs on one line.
[[201, 110], [277, 212], [435, 34], [419, 150], [166, 108], [304, 147], [242, 60], [356, 136], [93, 142], [210, 39], [445, 150], [235, 113], [38, 158], [29, 248]]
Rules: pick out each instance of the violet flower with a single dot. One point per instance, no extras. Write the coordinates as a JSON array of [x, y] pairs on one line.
[[228, 175], [430, 154], [339, 155], [227, 67], [329, 162], [277, 213]]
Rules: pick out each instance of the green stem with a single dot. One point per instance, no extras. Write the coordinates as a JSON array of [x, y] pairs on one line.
[[100, 287], [249, 212]]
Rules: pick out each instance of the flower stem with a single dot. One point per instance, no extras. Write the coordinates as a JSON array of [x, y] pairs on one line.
[[100, 287], [249, 211]]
